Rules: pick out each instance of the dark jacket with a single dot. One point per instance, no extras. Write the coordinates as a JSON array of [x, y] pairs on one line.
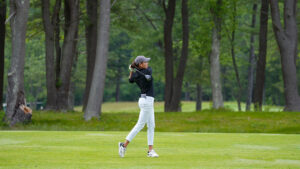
[[145, 86]]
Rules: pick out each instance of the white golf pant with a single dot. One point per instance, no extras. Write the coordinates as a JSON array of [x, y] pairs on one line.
[[146, 116]]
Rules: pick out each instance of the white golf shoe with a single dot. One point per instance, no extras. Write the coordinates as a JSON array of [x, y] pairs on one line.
[[152, 153], [122, 149]]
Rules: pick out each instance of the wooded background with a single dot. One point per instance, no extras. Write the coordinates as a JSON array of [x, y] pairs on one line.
[[212, 50]]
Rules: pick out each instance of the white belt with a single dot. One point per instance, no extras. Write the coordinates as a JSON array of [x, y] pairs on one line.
[[147, 97]]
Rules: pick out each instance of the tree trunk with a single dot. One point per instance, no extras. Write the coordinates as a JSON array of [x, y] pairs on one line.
[[118, 83], [287, 40], [215, 73], [71, 98], [251, 60], [183, 59], [68, 52], [199, 97], [91, 44], [187, 93], [236, 73], [261, 63], [2, 47], [50, 38], [71, 102], [56, 23], [15, 77], [93, 108], [168, 46], [117, 95], [172, 100], [232, 39], [59, 69], [199, 87]]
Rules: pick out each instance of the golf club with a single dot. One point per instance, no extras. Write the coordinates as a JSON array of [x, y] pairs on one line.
[[148, 77]]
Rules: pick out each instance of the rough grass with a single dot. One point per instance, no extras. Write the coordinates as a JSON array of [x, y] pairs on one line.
[[187, 106], [94, 149], [204, 121]]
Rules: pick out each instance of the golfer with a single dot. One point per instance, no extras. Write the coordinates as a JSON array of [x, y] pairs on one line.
[[143, 78]]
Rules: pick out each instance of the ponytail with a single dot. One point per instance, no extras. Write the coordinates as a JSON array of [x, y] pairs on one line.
[[134, 65]]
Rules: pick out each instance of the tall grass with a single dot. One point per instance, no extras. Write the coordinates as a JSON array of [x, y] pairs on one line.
[[223, 120]]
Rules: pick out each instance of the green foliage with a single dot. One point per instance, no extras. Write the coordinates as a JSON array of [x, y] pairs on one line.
[[35, 73], [137, 29]]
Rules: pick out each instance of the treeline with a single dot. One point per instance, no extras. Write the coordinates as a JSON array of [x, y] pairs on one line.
[[73, 52]]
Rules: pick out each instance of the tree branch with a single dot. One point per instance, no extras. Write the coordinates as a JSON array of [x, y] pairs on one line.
[[277, 26], [147, 18], [164, 6], [10, 16], [113, 3]]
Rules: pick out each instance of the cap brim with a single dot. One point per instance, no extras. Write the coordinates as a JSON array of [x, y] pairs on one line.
[[147, 59]]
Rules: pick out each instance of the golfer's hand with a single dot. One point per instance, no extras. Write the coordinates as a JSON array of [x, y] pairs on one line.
[[130, 68]]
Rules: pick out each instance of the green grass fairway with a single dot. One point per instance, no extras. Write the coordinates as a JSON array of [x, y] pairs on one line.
[[93, 149]]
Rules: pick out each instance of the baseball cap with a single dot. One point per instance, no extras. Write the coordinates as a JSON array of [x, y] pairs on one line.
[[140, 59]]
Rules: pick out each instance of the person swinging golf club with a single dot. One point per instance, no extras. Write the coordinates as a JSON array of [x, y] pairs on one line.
[[143, 78]]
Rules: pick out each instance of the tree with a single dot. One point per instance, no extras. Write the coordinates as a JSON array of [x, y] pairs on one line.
[[287, 40], [199, 88], [59, 69], [233, 24], [168, 47], [68, 52], [91, 44], [93, 108], [173, 86], [261, 62], [15, 99], [215, 73], [51, 28], [251, 60], [2, 46]]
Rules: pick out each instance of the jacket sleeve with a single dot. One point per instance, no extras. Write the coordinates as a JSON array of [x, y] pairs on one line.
[[149, 71], [132, 78]]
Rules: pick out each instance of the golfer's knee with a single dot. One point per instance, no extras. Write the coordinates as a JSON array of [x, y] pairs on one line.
[[151, 126], [140, 126]]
